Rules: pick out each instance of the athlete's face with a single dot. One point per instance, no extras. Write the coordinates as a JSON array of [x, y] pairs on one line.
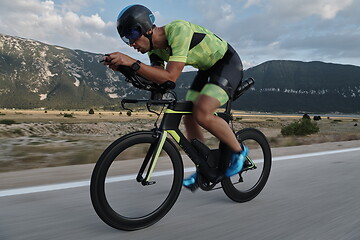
[[142, 44]]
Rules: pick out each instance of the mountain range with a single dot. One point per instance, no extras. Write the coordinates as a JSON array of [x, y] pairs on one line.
[[35, 74]]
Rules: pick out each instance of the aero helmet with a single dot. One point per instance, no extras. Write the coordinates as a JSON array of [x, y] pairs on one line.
[[133, 22]]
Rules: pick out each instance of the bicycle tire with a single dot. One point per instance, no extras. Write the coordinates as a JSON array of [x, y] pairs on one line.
[[100, 191], [259, 147]]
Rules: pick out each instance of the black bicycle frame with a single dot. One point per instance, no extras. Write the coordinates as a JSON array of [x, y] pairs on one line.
[[170, 124]]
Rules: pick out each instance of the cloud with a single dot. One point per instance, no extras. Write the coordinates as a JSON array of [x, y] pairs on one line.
[[259, 30], [45, 21], [77, 5], [297, 9], [289, 29], [159, 19], [216, 15], [249, 3]]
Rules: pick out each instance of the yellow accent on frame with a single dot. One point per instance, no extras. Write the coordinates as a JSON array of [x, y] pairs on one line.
[[174, 135], [172, 111], [162, 141]]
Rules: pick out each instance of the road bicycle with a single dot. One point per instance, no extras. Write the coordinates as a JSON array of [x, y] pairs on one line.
[[138, 178]]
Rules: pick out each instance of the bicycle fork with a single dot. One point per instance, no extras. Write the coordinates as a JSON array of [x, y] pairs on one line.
[[155, 149], [151, 159]]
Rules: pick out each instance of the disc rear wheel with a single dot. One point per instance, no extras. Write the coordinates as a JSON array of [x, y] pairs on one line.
[[251, 180]]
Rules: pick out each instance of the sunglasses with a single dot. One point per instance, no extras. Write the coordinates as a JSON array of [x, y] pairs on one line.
[[131, 36]]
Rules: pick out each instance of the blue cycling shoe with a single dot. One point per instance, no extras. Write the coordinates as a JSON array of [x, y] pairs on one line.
[[191, 182], [237, 162]]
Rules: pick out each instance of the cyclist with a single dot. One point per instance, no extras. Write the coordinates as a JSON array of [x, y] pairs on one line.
[[181, 43]]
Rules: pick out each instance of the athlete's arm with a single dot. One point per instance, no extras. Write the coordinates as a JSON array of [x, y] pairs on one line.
[[160, 75], [155, 74]]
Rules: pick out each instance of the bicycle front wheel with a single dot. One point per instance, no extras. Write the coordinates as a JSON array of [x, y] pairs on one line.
[[251, 180], [123, 202]]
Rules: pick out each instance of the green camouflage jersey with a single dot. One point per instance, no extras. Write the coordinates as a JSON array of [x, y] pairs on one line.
[[190, 44]]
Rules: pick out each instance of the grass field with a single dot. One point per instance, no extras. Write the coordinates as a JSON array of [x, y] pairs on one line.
[[39, 138]]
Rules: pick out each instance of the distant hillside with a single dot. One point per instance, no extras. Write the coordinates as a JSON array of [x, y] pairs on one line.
[[34, 74], [292, 86]]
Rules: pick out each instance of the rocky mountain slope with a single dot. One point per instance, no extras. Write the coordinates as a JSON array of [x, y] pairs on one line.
[[34, 74]]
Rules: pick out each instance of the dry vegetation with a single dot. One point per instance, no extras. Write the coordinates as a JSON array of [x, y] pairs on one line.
[[57, 138]]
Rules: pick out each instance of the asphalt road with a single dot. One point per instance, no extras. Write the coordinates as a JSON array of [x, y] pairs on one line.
[[313, 196]]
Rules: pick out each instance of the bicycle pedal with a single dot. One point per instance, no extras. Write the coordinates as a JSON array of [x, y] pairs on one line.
[[206, 185], [248, 168], [248, 165], [146, 183], [192, 187]]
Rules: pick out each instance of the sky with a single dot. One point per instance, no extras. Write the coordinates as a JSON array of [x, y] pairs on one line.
[[259, 30]]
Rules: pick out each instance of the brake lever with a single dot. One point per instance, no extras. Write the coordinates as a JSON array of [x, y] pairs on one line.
[[123, 106], [148, 106]]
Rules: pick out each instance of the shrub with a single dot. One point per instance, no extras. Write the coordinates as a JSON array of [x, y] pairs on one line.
[[337, 121], [18, 131], [128, 113], [7, 122], [91, 111], [300, 128], [306, 116], [68, 115]]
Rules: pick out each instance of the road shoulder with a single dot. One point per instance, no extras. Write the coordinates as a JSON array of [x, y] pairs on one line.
[[45, 176]]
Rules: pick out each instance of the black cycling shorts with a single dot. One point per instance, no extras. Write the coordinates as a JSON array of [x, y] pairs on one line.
[[227, 73]]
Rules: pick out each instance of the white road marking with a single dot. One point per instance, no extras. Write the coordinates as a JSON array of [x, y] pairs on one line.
[[62, 186]]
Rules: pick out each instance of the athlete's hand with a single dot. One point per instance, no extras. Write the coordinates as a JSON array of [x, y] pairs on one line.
[[113, 60]]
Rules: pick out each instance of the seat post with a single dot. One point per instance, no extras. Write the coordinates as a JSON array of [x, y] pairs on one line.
[[228, 107]]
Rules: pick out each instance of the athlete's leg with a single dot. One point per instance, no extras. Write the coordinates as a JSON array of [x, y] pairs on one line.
[[212, 95], [203, 113], [193, 129]]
